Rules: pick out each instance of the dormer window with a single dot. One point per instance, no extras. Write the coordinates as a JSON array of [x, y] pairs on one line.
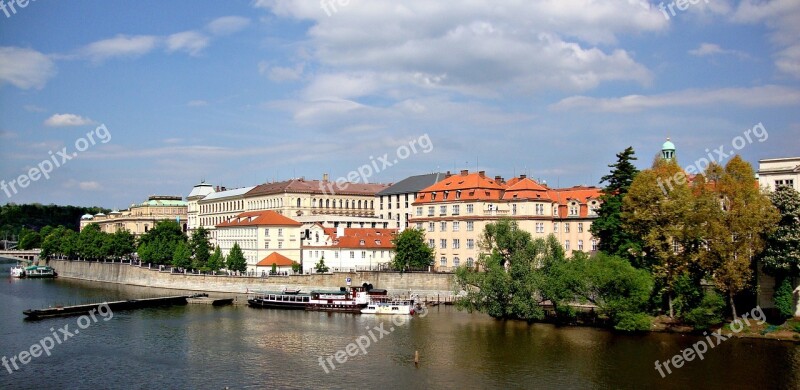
[[362, 243], [458, 194], [433, 195], [377, 242]]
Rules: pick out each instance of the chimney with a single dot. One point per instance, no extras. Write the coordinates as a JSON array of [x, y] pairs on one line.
[[482, 173], [324, 177], [448, 174], [464, 172], [216, 188], [498, 178], [224, 189], [522, 176]]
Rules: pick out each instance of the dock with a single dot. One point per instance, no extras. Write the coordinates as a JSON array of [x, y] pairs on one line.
[[131, 304], [205, 300]]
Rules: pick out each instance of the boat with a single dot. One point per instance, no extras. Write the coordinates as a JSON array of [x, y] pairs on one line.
[[18, 271], [35, 272], [342, 300], [401, 307]]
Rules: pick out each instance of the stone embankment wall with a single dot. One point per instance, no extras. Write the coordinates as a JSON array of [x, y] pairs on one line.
[[423, 284]]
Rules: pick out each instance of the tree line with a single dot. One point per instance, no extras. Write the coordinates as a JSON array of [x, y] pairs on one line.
[[685, 247], [33, 217]]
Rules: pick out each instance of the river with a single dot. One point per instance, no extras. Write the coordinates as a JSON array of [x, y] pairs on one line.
[[204, 347]]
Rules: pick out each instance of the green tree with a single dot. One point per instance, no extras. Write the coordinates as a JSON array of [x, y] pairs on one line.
[[296, 267], [607, 227], [320, 267], [781, 256], [29, 239], [158, 244], [659, 209], [784, 298], [411, 251], [216, 260], [51, 244], [200, 248], [182, 256], [120, 244], [236, 260], [735, 226], [91, 242], [69, 244]]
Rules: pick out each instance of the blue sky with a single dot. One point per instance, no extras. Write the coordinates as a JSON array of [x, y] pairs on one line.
[[242, 92]]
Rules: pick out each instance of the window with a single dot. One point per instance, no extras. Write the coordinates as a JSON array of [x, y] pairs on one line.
[[352, 254], [456, 262], [566, 245], [539, 227], [675, 246], [470, 261], [470, 243], [280, 244], [430, 211], [555, 209], [456, 209], [419, 211], [419, 225], [443, 261], [469, 209], [539, 209], [363, 254], [456, 243], [455, 226], [442, 210], [266, 232], [514, 209], [335, 255], [555, 227], [573, 209], [443, 226], [594, 245], [443, 243], [431, 227], [280, 232], [580, 245], [361, 242], [470, 226], [431, 243], [580, 227], [566, 227], [266, 245]]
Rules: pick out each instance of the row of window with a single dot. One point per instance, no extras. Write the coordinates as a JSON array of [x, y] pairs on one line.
[[220, 207], [787, 182], [456, 262], [456, 226], [315, 254], [456, 243]]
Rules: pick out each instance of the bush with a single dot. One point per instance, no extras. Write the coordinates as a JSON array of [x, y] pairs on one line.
[[633, 322], [710, 312], [784, 298]]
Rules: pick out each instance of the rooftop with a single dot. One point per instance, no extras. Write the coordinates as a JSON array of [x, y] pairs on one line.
[[322, 187], [259, 218], [413, 184]]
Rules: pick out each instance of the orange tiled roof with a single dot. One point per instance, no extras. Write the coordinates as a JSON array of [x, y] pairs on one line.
[[259, 218], [463, 186], [316, 187], [581, 194], [525, 188], [353, 237], [275, 258]]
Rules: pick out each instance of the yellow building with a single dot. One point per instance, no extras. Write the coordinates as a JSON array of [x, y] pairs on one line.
[[454, 212], [141, 217]]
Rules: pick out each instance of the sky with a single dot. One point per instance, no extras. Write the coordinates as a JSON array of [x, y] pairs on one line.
[[107, 102]]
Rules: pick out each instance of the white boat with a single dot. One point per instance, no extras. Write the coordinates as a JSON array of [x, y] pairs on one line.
[[402, 307], [18, 271]]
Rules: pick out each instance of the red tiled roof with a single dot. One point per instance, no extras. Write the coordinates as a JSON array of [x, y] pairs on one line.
[[316, 187], [472, 186], [259, 218], [275, 258], [579, 193], [353, 237], [524, 188]]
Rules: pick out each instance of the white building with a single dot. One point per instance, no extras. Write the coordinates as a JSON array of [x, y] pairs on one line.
[[394, 203], [346, 249], [774, 172], [220, 206], [265, 237], [199, 192]]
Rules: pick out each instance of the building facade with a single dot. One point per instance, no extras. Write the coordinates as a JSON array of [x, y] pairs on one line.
[[454, 212], [776, 172], [141, 217], [220, 206], [395, 202], [347, 249], [261, 234]]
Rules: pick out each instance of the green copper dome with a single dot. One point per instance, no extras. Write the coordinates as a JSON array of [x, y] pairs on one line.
[[668, 145]]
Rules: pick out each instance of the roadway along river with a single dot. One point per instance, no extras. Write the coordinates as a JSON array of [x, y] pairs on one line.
[[202, 347]]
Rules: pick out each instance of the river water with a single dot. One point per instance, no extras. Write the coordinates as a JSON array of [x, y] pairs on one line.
[[203, 347]]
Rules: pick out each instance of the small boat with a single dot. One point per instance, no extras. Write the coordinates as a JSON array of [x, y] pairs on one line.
[[18, 271], [39, 271], [286, 299], [402, 307]]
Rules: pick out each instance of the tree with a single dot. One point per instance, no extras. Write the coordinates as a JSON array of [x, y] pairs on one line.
[[182, 256], [200, 248], [411, 251], [51, 244], [320, 267], [781, 256], [658, 209], [69, 244], [736, 223], [607, 227], [236, 261], [296, 267], [120, 244], [91, 242], [159, 243], [216, 260], [29, 239]]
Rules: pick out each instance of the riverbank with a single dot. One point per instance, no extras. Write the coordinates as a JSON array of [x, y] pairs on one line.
[[428, 286]]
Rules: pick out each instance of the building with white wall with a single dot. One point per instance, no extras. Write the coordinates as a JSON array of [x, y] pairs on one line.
[[394, 203], [347, 249], [264, 237], [774, 172]]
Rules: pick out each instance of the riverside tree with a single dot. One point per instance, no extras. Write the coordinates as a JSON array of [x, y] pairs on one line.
[[608, 225], [159, 243], [182, 258], [735, 226], [411, 251], [200, 248], [91, 242], [216, 261], [236, 261]]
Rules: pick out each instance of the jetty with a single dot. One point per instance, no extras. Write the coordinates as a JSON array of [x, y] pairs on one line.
[[131, 304], [203, 299]]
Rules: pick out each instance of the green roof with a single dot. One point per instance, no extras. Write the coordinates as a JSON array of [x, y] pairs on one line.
[[668, 145]]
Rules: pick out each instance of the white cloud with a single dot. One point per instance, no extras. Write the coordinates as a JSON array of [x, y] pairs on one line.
[[191, 42], [89, 185], [227, 25], [788, 60], [281, 73], [780, 17], [25, 68], [766, 96], [712, 49], [197, 103], [60, 120], [120, 46]]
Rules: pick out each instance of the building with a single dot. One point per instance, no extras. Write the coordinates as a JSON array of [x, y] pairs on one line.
[[776, 172], [265, 237], [199, 192], [394, 203], [454, 212], [347, 249], [220, 206], [141, 217], [300, 197]]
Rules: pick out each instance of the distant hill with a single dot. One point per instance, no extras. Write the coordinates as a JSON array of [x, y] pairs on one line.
[[14, 217]]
